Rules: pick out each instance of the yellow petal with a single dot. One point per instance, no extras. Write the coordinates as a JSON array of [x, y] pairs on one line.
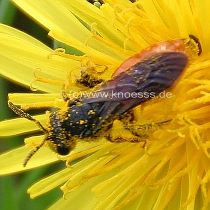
[[21, 126], [12, 161], [36, 60], [67, 28], [49, 183]]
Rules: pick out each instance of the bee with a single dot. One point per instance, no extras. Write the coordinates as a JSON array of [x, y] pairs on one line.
[[153, 70]]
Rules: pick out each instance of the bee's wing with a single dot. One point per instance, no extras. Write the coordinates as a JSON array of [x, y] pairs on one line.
[[152, 75]]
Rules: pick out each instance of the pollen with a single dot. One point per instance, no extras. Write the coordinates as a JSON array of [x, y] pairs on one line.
[[82, 122], [91, 112]]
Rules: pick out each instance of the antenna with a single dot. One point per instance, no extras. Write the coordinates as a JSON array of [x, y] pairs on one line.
[[32, 152], [20, 112]]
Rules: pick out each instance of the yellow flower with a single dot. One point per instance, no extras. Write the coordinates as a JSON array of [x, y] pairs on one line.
[[173, 171]]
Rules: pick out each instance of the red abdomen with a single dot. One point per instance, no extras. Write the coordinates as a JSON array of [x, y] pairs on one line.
[[168, 46]]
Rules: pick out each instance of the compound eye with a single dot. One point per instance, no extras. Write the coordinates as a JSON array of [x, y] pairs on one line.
[[62, 150]]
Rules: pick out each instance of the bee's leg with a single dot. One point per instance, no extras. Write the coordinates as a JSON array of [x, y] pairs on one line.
[[134, 133], [119, 133], [142, 132], [127, 117], [88, 79], [145, 130], [65, 95]]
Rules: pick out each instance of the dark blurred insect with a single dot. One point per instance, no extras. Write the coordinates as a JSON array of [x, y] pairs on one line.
[[97, 3], [151, 71]]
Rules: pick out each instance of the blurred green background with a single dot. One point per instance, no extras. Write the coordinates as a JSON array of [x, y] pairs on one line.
[[13, 188]]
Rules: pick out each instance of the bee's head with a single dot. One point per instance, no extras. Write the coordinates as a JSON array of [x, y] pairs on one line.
[[63, 149], [60, 142], [58, 138]]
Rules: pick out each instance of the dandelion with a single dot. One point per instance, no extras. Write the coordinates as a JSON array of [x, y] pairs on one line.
[[173, 171]]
